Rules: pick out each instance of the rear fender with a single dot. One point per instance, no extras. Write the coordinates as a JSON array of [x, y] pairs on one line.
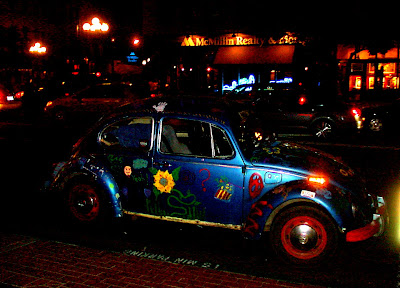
[[93, 170]]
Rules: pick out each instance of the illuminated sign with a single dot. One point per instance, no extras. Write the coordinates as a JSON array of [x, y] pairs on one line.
[[289, 38], [226, 40], [132, 58], [285, 80], [240, 40], [242, 81]]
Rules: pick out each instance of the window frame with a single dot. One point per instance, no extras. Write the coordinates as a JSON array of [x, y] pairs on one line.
[[120, 147], [212, 140], [213, 150]]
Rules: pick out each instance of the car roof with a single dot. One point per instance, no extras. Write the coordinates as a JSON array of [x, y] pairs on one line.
[[204, 106]]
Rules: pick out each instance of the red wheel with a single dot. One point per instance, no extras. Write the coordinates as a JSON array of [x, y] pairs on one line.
[[304, 235], [83, 202]]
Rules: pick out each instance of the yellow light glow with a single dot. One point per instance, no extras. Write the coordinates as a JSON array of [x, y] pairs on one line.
[[258, 136], [86, 27], [95, 26], [38, 48], [396, 221], [104, 27], [318, 180]]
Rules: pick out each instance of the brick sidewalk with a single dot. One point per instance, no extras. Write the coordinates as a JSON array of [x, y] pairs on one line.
[[32, 262]]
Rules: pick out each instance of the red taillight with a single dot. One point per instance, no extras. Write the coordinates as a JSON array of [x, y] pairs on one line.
[[356, 112], [19, 95], [302, 100]]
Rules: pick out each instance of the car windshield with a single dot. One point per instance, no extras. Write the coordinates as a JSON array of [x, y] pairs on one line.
[[248, 132]]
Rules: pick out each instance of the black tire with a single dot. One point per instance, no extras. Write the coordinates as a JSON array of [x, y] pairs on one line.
[[85, 202], [375, 125], [60, 115], [323, 129], [304, 235]]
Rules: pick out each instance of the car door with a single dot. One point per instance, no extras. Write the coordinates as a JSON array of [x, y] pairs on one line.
[[128, 148], [299, 113], [197, 174]]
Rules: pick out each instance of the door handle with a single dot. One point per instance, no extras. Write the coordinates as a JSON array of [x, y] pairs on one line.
[[162, 164]]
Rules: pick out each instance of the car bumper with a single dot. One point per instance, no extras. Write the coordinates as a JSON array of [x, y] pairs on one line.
[[10, 106], [373, 229]]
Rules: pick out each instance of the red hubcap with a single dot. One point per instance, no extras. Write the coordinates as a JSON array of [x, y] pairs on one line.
[[304, 237], [84, 203]]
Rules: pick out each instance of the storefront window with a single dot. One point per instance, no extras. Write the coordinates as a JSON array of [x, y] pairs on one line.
[[390, 82], [387, 68], [355, 82], [239, 76], [386, 75], [371, 82], [357, 67]]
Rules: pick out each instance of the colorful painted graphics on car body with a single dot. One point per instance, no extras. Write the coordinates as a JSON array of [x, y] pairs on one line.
[[192, 168]]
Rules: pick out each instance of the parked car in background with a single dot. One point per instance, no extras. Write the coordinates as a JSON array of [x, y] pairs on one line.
[[382, 116], [189, 162], [298, 112], [9, 101], [92, 102]]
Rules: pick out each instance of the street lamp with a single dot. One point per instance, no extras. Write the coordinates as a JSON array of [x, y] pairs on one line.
[[38, 48], [95, 26]]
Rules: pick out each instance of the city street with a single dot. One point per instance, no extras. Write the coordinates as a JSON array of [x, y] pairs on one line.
[[65, 63], [28, 150]]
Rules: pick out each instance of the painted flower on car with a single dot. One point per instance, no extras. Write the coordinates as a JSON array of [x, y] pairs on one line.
[[164, 181]]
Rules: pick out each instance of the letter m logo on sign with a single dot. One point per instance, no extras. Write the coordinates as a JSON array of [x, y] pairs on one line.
[[188, 42]]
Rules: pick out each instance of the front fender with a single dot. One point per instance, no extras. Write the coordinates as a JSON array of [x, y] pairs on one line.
[[263, 211]]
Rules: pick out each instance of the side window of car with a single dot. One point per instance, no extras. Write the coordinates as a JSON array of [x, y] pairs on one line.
[[194, 138], [131, 133], [222, 147]]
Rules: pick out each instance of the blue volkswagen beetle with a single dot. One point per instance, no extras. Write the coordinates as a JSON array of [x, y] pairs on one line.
[[185, 162]]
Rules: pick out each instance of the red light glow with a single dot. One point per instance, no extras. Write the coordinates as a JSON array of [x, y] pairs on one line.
[[302, 100], [356, 112], [19, 95]]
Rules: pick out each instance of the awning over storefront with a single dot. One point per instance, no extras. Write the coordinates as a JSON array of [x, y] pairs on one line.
[[276, 54]]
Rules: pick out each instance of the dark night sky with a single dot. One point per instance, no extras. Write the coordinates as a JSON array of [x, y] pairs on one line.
[[344, 18]]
